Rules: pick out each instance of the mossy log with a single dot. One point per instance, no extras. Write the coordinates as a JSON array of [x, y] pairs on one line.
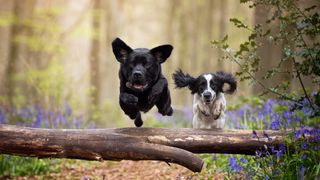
[[169, 145]]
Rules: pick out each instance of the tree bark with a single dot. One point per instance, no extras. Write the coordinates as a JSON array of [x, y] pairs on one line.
[[169, 145]]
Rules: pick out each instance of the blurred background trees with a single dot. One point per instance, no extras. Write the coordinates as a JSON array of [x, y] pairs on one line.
[[52, 52], [57, 70]]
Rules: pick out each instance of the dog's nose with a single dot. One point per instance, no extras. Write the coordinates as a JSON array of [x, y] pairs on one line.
[[137, 74], [207, 95]]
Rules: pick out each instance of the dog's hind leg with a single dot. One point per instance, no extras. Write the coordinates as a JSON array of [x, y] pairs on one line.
[[164, 103]]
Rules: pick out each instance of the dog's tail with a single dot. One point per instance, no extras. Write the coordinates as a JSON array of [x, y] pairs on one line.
[[229, 79], [182, 80]]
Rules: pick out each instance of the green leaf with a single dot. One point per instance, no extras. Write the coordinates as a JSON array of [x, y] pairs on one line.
[[225, 38], [238, 23]]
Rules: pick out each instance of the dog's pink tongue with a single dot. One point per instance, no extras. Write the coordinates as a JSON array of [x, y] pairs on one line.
[[135, 86]]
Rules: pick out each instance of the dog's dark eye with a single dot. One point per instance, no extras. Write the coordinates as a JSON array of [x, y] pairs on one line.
[[202, 87], [212, 86], [147, 65]]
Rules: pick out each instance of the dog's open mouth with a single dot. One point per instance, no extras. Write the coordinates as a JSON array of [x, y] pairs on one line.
[[138, 86]]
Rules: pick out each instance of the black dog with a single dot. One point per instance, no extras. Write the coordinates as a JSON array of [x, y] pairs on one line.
[[142, 84]]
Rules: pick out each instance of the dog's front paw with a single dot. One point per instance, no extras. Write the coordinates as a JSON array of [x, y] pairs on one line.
[[205, 113], [129, 99], [216, 116], [166, 112], [219, 107], [138, 121]]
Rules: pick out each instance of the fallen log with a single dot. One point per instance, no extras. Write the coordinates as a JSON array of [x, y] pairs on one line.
[[169, 145]]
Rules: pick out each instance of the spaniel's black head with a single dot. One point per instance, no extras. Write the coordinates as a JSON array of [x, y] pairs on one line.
[[206, 85]]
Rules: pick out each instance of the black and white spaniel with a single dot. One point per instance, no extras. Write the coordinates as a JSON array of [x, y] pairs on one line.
[[209, 103]]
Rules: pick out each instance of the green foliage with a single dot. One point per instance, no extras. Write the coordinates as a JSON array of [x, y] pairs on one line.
[[40, 81], [297, 30], [46, 85], [298, 158], [11, 166]]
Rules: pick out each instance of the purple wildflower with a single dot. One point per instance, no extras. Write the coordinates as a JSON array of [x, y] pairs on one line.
[[67, 109], [275, 172], [2, 118], [233, 165], [303, 157], [254, 134], [243, 160], [275, 125], [304, 145], [296, 134], [258, 153], [280, 151], [306, 132], [301, 171], [267, 136], [37, 122], [315, 133]]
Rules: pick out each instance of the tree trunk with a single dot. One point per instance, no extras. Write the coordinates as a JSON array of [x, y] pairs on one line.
[[169, 145], [95, 55]]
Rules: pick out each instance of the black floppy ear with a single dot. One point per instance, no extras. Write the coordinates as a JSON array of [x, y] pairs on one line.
[[182, 80], [120, 50], [223, 78], [161, 53]]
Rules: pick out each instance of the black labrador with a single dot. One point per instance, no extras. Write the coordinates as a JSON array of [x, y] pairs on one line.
[[142, 84]]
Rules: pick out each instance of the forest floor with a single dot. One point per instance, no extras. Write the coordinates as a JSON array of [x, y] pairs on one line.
[[137, 170]]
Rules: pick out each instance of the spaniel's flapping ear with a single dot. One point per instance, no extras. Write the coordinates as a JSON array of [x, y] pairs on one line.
[[223, 78], [184, 80]]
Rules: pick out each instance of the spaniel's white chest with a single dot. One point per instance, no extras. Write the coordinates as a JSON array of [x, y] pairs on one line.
[[209, 115]]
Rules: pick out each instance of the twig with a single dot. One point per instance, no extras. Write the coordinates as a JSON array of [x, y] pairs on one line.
[[259, 82], [301, 83]]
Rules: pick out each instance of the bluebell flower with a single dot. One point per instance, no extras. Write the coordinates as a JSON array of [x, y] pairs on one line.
[[275, 125], [233, 165], [275, 172], [267, 136], [303, 157], [26, 113], [258, 153], [91, 125], [315, 133], [304, 145], [243, 160], [37, 122], [2, 118], [254, 134], [187, 112], [280, 151], [272, 150], [296, 134], [67, 109], [306, 132], [268, 106], [301, 170]]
